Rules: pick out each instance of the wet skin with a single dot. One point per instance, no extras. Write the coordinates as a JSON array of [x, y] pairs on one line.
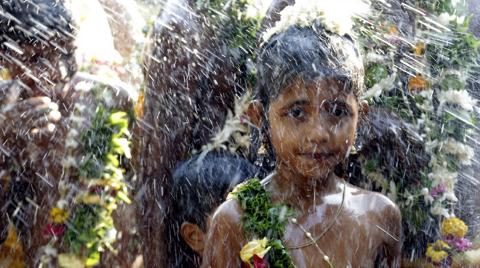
[[312, 125]]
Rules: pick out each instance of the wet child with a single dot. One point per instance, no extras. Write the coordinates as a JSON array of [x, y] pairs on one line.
[[199, 186], [309, 81]]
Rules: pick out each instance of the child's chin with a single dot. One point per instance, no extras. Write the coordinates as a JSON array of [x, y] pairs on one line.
[[315, 172]]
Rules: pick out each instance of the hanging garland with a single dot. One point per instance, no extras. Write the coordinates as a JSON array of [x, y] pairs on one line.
[[92, 188], [421, 73]]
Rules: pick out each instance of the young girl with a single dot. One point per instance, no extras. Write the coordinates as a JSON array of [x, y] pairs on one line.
[[309, 80], [199, 186]]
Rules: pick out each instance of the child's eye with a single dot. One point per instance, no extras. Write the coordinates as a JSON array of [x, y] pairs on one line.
[[296, 112], [337, 109]]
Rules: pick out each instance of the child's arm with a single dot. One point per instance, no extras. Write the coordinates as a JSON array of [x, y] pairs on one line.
[[225, 237], [393, 240]]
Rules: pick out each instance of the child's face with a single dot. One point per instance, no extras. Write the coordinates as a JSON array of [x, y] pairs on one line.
[[312, 126]]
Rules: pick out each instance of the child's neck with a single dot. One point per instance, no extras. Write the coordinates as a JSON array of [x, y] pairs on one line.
[[298, 191]]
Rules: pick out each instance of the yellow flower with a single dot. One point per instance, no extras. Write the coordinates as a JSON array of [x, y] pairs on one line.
[[436, 252], [70, 261], [91, 199], [254, 247], [454, 227], [419, 49], [58, 215], [417, 83], [234, 192], [5, 74]]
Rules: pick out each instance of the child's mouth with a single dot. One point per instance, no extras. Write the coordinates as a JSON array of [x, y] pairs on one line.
[[318, 156]]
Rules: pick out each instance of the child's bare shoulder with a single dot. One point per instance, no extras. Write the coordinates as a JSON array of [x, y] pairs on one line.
[[374, 202], [229, 212]]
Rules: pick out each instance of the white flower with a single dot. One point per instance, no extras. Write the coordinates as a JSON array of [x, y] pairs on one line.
[[373, 57], [73, 133], [77, 119], [425, 191], [441, 175], [393, 192], [459, 97], [385, 84], [69, 161], [71, 143], [335, 16], [445, 18], [462, 151], [439, 210], [257, 8], [450, 196], [84, 86]]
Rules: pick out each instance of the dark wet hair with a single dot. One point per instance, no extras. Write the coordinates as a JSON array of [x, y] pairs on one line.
[[306, 53], [200, 185], [38, 22]]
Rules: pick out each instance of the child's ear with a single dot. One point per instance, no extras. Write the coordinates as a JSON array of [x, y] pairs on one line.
[[194, 236], [363, 109], [254, 113]]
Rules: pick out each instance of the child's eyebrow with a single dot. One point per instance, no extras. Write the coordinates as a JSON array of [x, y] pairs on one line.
[[300, 102]]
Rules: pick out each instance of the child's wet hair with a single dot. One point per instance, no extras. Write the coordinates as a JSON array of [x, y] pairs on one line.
[[307, 53], [41, 23], [199, 186], [35, 21]]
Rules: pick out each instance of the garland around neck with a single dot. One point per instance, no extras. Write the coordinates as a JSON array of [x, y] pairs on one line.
[[262, 218]]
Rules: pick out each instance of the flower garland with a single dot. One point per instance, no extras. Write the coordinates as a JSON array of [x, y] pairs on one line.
[[91, 189], [265, 223], [421, 73]]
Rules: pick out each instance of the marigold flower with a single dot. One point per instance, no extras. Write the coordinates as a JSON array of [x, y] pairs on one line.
[[393, 30], [139, 106], [437, 252], [58, 215], [419, 49], [417, 83], [454, 227], [5, 74], [91, 199], [255, 247]]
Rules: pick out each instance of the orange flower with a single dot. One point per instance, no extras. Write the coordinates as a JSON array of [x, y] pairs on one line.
[[393, 30], [139, 106], [417, 83]]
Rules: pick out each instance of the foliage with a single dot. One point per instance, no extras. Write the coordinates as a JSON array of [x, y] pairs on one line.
[[262, 218]]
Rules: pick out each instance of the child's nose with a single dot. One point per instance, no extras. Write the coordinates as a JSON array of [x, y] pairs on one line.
[[318, 134]]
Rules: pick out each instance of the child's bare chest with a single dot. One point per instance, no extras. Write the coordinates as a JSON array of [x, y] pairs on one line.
[[346, 240]]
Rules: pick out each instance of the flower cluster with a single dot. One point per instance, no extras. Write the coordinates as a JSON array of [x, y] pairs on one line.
[[333, 17], [453, 243], [253, 253]]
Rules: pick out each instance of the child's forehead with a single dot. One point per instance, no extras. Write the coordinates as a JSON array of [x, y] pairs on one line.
[[325, 87]]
